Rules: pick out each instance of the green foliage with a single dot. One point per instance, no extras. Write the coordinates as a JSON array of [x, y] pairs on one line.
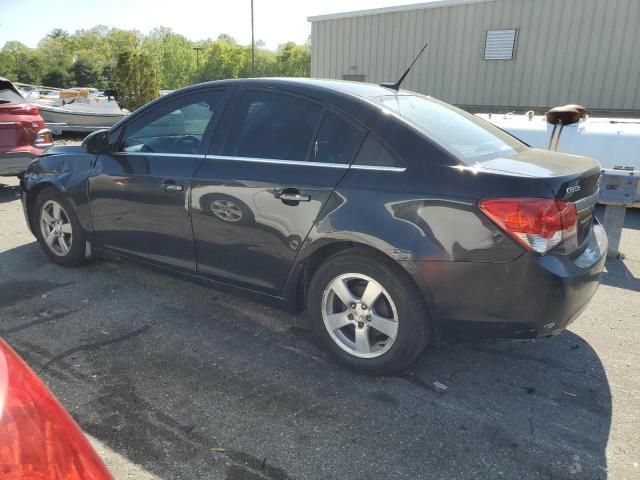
[[136, 78], [175, 56], [222, 60], [57, 77], [7, 65], [87, 72], [294, 60], [57, 53], [227, 39], [105, 57], [27, 65]]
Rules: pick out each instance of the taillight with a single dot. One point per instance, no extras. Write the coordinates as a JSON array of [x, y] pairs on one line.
[[43, 138], [22, 109], [38, 439], [536, 223]]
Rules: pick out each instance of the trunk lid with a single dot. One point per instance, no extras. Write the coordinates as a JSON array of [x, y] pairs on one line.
[[570, 178]]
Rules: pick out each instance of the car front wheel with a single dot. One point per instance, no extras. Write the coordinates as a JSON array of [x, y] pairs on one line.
[[58, 229], [367, 312]]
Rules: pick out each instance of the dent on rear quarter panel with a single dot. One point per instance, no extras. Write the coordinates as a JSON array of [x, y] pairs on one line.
[[69, 174], [393, 213]]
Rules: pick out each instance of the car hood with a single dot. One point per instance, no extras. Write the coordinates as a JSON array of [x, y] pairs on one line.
[[64, 149]]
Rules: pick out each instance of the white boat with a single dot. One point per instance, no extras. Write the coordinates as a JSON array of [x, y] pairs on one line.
[[614, 142], [80, 117], [74, 110]]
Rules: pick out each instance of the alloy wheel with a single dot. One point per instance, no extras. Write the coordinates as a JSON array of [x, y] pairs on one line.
[[360, 315], [56, 228]]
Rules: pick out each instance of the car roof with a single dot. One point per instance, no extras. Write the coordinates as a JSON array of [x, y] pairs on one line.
[[358, 89]]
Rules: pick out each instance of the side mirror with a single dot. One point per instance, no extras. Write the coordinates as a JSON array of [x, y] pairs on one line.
[[96, 142]]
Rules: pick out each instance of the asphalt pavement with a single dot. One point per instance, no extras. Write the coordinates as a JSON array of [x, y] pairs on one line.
[[172, 380]]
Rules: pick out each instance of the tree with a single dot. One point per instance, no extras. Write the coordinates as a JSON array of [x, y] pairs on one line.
[[136, 79], [93, 40], [294, 60], [59, 34], [90, 58], [57, 50], [123, 40], [223, 37], [265, 63], [7, 65], [222, 60], [28, 64], [175, 56], [57, 77], [87, 72]]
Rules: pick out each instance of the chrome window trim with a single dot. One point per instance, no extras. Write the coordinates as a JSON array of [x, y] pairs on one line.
[[274, 161], [158, 154], [379, 168], [280, 162]]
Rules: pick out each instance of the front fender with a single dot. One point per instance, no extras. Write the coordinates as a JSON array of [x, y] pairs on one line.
[[68, 173]]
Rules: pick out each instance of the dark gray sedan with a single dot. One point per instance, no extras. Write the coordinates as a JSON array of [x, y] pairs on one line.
[[394, 219]]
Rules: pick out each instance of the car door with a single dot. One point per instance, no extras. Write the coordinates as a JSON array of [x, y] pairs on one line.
[[139, 194], [275, 161]]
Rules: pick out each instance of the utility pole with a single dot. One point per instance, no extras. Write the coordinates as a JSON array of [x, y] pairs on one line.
[[253, 46], [198, 50]]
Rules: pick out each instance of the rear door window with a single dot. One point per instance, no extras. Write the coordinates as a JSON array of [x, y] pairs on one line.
[[273, 126], [338, 139]]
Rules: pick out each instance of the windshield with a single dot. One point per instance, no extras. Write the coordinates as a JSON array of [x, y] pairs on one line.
[[468, 137]]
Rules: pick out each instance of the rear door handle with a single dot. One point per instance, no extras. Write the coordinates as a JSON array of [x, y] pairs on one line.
[[171, 186], [291, 195]]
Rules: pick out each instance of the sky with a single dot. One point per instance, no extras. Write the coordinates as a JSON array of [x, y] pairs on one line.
[[276, 21]]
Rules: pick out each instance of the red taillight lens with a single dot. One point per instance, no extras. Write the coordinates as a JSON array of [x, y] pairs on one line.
[[536, 223], [22, 109], [38, 439]]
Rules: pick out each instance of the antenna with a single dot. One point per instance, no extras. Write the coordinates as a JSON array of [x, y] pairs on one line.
[[396, 86]]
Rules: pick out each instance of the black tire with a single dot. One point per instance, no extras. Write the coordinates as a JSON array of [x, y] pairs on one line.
[[413, 328], [77, 251]]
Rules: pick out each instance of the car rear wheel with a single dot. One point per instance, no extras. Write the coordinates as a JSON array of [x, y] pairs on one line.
[[58, 229], [367, 312]]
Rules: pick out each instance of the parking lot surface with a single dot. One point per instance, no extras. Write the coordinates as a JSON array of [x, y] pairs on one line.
[[172, 380]]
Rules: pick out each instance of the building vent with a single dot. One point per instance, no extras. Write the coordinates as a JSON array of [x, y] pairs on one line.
[[500, 44], [353, 78]]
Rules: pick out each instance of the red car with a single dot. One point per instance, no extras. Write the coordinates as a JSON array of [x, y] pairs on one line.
[[23, 133], [38, 439]]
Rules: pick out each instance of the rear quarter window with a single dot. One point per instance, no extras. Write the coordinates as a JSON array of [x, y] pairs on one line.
[[374, 153]]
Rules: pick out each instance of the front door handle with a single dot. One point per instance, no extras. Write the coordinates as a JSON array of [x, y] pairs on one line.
[[171, 186], [291, 195], [295, 197]]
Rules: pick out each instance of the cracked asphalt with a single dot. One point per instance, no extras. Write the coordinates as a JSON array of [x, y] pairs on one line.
[[172, 380]]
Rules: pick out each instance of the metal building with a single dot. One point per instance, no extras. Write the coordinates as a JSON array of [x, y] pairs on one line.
[[492, 55]]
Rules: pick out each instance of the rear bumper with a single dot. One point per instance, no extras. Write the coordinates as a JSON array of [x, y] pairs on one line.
[[15, 163], [527, 298]]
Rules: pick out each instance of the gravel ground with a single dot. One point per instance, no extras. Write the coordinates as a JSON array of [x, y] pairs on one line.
[[172, 380]]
